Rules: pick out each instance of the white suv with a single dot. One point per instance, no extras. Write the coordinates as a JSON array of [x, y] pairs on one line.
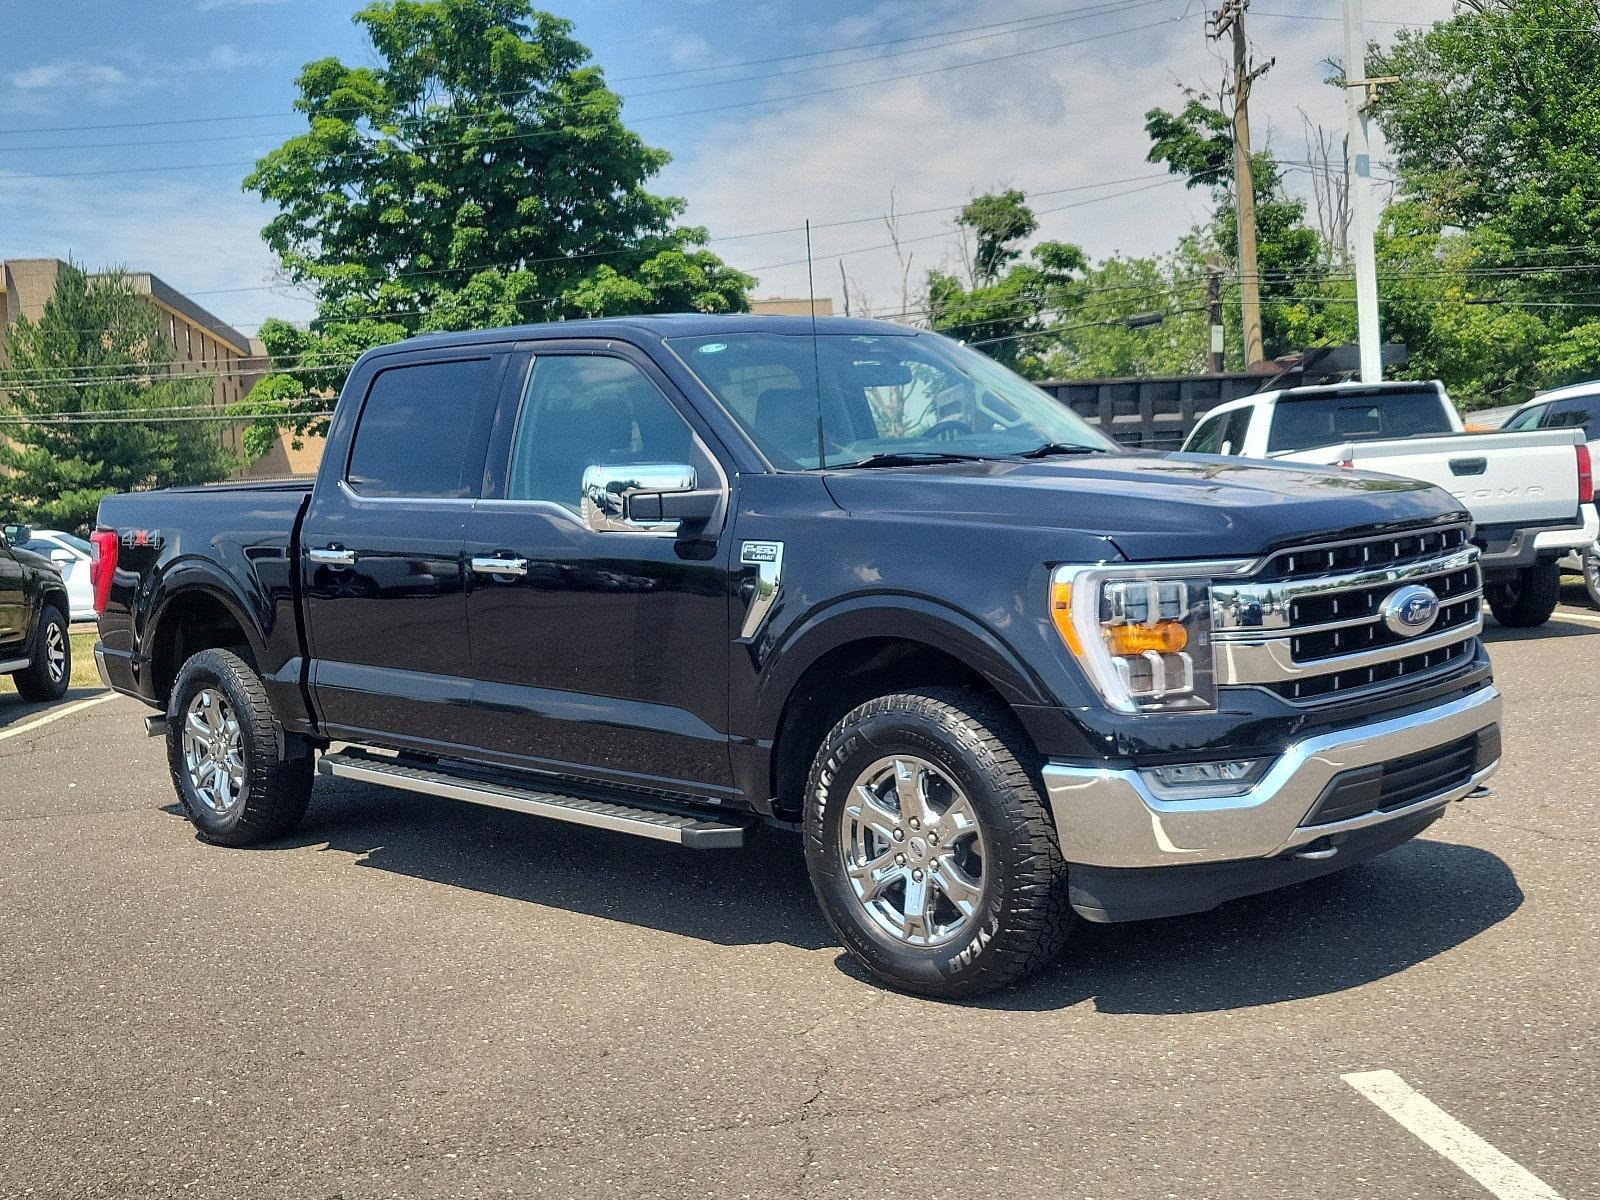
[[1572, 407]]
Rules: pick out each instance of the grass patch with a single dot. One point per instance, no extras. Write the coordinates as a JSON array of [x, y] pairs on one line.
[[83, 673]]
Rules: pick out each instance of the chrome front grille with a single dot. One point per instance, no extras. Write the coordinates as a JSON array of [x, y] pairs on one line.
[[1310, 625]]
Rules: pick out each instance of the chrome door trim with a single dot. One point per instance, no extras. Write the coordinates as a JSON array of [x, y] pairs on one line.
[[490, 565], [332, 556]]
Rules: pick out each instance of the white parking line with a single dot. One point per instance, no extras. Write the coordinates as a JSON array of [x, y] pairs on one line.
[[1437, 1129], [56, 715]]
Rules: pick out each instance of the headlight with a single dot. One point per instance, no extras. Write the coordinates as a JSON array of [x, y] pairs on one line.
[[1141, 634]]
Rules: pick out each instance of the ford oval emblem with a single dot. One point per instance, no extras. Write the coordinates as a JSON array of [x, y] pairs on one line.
[[1410, 611]]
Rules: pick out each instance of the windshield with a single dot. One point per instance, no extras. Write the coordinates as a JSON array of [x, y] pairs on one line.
[[880, 394]]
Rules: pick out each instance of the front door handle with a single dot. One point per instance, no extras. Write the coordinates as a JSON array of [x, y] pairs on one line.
[[333, 556], [491, 565]]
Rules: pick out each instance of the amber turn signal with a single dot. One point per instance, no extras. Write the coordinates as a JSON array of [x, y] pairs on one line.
[[1061, 614], [1164, 637]]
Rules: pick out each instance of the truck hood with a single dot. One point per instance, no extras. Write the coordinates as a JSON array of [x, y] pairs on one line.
[[1152, 507]]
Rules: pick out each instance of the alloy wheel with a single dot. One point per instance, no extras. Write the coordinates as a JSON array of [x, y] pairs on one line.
[[213, 751], [55, 651], [913, 851]]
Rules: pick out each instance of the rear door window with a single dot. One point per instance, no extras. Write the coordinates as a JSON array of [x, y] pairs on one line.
[[416, 428]]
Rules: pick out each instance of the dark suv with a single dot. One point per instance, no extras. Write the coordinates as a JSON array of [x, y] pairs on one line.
[[680, 577], [34, 647]]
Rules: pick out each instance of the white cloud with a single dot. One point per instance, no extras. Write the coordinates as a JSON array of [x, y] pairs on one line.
[[1064, 118], [68, 73]]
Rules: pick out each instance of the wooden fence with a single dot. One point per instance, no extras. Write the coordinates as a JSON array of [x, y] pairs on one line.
[[1157, 413]]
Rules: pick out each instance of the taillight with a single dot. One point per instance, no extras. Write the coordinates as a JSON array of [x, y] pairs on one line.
[[1585, 475], [103, 545]]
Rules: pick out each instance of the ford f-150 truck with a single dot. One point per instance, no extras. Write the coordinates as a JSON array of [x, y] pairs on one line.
[[682, 577], [1530, 493]]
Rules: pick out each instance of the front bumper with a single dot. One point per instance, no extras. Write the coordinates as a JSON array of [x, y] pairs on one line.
[[1110, 817]]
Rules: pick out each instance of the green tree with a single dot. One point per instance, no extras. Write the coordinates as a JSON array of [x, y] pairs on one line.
[[477, 172], [86, 408], [1133, 316], [1010, 301], [1494, 126], [1197, 142]]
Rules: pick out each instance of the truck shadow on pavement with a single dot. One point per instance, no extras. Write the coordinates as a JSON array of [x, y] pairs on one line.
[[14, 709], [1556, 629], [1329, 935], [729, 897]]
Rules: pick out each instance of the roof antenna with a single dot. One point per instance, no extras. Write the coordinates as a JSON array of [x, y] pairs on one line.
[[816, 356]]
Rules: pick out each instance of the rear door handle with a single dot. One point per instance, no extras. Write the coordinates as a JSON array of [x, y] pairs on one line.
[[333, 556], [491, 565]]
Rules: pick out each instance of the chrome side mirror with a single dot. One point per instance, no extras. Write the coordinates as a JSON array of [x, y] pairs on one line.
[[613, 497]]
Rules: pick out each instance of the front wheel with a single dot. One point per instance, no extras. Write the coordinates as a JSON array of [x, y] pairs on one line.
[[1527, 600], [236, 771], [930, 850]]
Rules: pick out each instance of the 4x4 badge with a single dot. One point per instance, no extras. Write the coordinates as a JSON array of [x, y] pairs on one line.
[[767, 558]]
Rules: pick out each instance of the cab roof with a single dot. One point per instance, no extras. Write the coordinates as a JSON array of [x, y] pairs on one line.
[[662, 327]]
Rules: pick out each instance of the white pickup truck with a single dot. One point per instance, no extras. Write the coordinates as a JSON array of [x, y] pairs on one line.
[[1531, 494]]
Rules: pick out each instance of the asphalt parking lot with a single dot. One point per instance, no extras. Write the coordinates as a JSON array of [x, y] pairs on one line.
[[416, 998]]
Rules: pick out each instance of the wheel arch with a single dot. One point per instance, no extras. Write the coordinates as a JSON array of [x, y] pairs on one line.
[[196, 612], [859, 650]]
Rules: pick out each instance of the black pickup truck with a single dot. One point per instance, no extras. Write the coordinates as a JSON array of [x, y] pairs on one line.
[[34, 647], [682, 577]]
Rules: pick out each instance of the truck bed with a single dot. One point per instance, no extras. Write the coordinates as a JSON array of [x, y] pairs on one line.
[[1526, 478]]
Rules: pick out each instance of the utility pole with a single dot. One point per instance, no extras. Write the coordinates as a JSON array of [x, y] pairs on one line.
[[1230, 19], [844, 282], [1214, 331], [1359, 94]]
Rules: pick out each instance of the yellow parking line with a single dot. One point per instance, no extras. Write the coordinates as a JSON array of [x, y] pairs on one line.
[[1562, 614], [56, 715]]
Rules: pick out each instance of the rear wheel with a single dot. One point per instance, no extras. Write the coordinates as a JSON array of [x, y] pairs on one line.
[[1529, 599], [49, 674], [241, 779], [930, 850], [1591, 574]]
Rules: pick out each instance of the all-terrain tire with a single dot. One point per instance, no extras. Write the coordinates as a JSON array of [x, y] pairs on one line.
[[1527, 601], [1022, 917], [49, 673], [277, 770]]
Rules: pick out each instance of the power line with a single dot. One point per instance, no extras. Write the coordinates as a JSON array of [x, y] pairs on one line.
[[1107, 8], [1023, 23], [744, 104]]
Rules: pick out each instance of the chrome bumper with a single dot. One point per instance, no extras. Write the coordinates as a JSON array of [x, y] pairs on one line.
[[1110, 818]]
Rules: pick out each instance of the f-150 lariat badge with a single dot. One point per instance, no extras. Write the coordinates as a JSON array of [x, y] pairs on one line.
[[767, 558]]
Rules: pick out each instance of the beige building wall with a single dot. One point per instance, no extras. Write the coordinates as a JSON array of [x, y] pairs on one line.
[[781, 306]]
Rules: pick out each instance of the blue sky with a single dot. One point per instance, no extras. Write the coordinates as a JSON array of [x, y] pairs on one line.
[[1049, 116]]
